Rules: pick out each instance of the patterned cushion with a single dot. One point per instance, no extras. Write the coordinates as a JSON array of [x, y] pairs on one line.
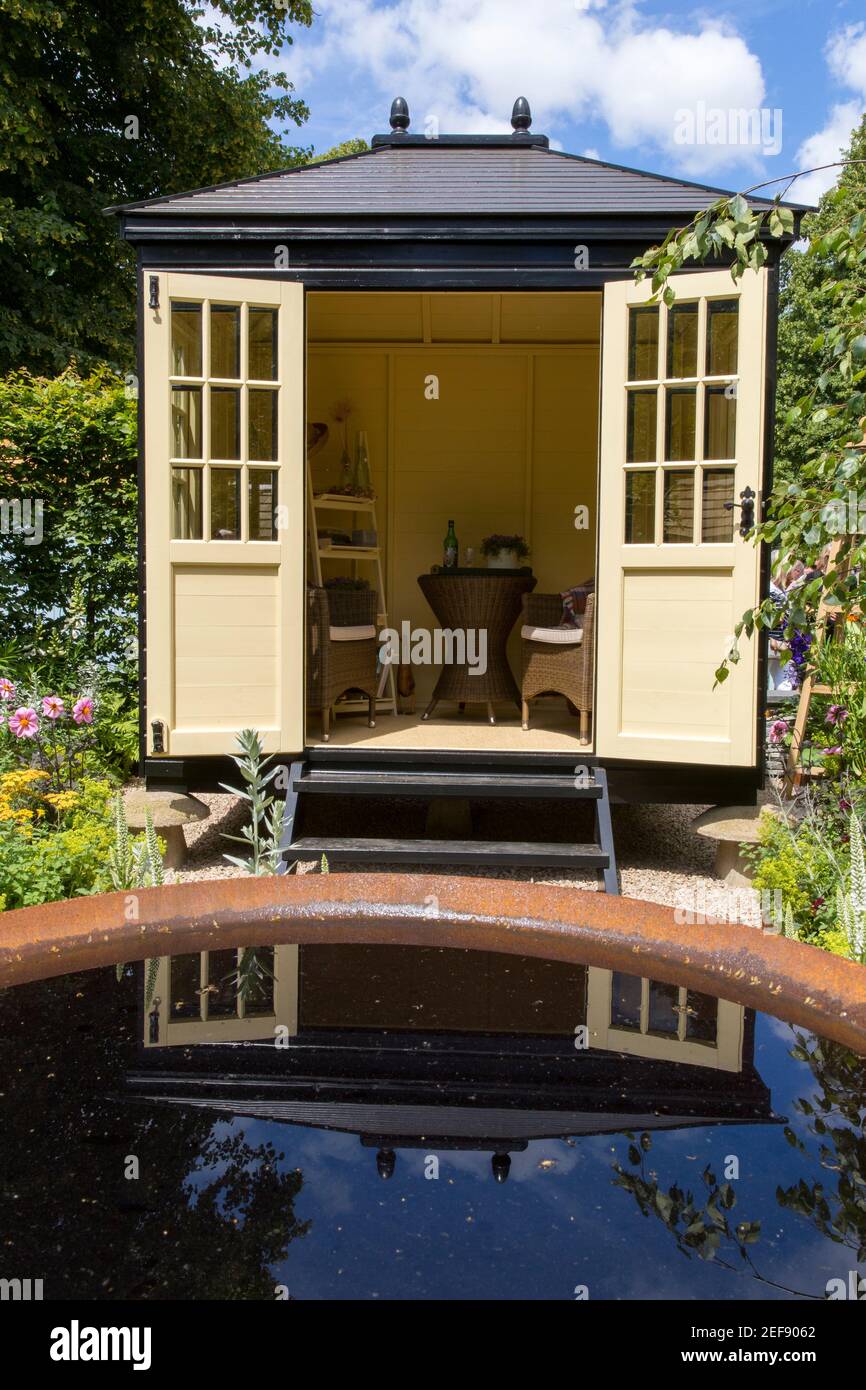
[[352, 634], [562, 636], [574, 602]]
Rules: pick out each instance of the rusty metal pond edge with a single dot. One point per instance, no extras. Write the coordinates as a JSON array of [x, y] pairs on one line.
[[799, 984]]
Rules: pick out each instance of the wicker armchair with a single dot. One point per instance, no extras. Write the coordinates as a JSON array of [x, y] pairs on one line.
[[557, 660], [342, 648]]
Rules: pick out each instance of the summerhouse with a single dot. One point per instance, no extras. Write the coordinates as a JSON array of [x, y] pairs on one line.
[[433, 497]]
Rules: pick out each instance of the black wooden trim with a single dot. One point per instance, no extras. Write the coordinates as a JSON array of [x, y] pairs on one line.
[[604, 834], [629, 783], [289, 818], [496, 852], [140, 539], [769, 451]]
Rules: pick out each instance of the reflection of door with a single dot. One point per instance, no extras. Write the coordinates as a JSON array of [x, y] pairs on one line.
[[646, 1018], [224, 429], [196, 998], [681, 436]]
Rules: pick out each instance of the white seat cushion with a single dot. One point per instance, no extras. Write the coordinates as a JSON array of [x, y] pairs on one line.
[[352, 634], [561, 636]]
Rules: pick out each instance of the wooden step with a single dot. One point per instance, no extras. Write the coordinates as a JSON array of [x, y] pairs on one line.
[[499, 852], [436, 782]]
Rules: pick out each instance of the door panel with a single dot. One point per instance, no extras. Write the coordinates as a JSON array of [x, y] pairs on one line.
[[681, 435], [224, 490]]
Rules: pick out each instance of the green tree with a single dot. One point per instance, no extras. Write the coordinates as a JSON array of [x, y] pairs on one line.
[[102, 103], [803, 312], [68, 460], [354, 146]]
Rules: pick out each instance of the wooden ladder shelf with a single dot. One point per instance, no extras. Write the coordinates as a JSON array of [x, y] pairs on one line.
[[386, 695]]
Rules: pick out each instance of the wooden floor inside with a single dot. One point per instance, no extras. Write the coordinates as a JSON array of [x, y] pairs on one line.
[[552, 730]]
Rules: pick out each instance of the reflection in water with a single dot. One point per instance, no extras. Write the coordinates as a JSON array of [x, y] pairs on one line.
[[526, 1117]]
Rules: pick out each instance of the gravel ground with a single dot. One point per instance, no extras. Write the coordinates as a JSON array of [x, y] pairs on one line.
[[660, 858]]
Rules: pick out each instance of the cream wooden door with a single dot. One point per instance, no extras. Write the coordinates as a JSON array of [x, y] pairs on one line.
[[681, 435], [224, 505]]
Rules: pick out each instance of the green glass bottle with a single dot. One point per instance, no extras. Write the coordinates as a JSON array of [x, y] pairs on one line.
[[450, 549]]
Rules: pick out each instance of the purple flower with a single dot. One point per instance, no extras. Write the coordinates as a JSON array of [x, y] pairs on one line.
[[845, 804], [832, 752], [836, 714], [799, 646], [778, 730]]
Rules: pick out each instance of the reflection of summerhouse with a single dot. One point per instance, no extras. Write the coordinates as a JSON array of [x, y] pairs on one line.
[[470, 297], [460, 1048]]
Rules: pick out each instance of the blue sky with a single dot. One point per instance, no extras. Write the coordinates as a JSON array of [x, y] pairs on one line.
[[639, 82]]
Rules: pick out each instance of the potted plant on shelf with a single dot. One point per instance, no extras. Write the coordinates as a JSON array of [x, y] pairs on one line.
[[504, 552]]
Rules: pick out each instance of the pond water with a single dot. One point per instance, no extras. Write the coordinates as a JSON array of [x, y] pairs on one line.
[[410, 1123]]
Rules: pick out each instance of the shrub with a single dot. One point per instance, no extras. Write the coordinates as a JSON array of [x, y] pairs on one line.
[[69, 445], [52, 845]]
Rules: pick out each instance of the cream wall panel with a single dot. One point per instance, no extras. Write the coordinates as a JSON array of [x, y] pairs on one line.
[[360, 317], [510, 445], [461, 456], [564, 466], [551, 318], [461, 318]]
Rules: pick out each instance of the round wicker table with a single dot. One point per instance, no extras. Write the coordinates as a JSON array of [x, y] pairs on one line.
[[480, 600]]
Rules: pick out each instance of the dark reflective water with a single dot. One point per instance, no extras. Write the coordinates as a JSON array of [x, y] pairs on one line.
[[379, 1122]]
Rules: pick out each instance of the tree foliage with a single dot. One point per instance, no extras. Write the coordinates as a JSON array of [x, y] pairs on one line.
[[69, 444], [802, 316], [103, 103]]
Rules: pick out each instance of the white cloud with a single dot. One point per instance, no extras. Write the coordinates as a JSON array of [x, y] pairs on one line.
[[581, 62], [825, 147], [846, 59]]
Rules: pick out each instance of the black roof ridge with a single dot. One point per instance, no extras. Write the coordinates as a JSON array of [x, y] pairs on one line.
[[503, 142]]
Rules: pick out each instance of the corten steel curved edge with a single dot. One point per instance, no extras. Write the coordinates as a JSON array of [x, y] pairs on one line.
[[794, 982]]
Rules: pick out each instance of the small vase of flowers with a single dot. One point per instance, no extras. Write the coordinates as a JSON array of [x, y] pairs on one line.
[[504, 552]]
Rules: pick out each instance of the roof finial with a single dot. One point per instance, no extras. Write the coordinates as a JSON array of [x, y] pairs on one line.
[[399, 115], [521, 116]]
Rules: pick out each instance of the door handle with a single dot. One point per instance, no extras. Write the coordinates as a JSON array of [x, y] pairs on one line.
[[747, 510]]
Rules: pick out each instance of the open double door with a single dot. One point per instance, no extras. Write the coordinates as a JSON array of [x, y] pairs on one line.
[[681, 436]]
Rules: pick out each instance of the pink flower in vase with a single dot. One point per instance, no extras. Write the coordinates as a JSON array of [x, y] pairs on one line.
[[82, 711], [7, 689], [53, 707], [24, 722]]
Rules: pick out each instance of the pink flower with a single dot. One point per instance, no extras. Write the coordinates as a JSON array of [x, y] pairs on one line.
[[778, 730], [24, 723], [52, 707], [7, 689], [836, 714], [82, 712], [832, 752]]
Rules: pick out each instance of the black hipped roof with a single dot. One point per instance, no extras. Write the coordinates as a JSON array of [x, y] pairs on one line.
[[516, 175]]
